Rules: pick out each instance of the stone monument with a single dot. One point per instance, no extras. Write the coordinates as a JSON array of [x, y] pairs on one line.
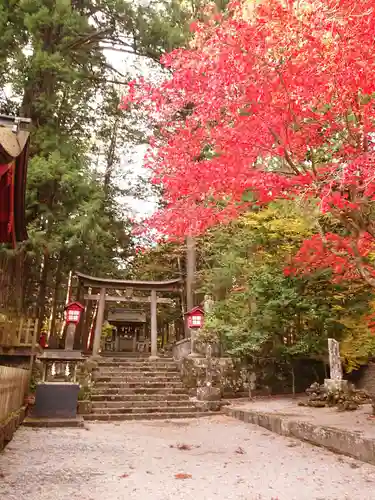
[[207, 392], [252, 384], [208, 304], [335, 382]]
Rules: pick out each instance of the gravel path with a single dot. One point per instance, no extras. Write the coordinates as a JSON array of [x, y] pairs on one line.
[[138, 461]]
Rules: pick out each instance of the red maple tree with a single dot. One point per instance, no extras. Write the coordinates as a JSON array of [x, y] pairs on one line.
[[274, 100]]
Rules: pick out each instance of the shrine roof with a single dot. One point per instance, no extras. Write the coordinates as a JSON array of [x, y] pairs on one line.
[[94, 281], [14, 142]]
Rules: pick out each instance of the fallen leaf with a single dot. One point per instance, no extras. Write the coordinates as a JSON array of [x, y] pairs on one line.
[[124, 476], [354, 465], [182, 475], [240, 451], [292, 445], [184, 446]]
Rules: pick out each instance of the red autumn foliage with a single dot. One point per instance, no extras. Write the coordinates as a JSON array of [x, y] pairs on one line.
[[280, 103]]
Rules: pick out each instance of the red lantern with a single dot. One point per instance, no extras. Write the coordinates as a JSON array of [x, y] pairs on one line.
[[195, 317], [73, 312]]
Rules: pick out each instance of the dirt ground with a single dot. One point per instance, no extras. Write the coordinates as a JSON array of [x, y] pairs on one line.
[[220, 458]]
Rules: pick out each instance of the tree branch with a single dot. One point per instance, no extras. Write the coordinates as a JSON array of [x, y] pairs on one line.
[[360, 266]]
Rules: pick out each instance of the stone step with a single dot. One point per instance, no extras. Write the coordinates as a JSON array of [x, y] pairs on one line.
[[146, 416], [138, 371], [140, 366], [133, 379], [121, 384], [138, 397], [142, 409], [139, 390], [137, 376], [138, 360], [111, 354], [128, 388], [135, 361], [110, 405]]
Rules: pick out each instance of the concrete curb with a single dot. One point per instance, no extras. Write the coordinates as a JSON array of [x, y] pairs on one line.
[[10, 425], [338, 440]]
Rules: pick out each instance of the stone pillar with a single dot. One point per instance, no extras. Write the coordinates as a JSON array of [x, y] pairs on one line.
[[208, 304], [193, 353], [99, 323], [336, 382], [69, 339], [335, 368], [154, 326]]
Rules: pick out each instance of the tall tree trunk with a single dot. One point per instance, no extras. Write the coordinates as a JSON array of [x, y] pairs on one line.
[[182, 297], [87, 323], [110, 158], [41, 304], [56, 293], [79, 328], [190, 271], [19, 279]]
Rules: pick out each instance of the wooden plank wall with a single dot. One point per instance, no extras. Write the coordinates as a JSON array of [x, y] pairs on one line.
[[13, 387]]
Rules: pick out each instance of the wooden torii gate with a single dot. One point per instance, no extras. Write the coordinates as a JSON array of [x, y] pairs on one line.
[[128, 286]]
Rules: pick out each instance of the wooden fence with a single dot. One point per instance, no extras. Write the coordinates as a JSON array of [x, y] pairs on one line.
[[19, 332], [13, 387]]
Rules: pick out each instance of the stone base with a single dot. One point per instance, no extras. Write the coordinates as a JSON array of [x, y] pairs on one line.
[[10, 425], [208, 393], [56, 400], [84, 407], [53, 422], [209, 406], [335, 385], [153, 358]]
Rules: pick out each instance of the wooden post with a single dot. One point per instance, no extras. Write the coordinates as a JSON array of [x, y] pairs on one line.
[[79, 328], [154, 326], [87, 318], [190, 279], [33, 346], [99, 323], [190, 271]]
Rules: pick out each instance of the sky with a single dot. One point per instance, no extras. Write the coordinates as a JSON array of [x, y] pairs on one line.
[[132, 160]]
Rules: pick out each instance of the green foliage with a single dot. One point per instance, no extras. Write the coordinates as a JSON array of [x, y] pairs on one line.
[[54, 69], [260, 313], [357, 345], [107, 329]]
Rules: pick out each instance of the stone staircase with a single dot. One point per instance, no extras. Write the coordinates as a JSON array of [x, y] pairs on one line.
[[135, 388]]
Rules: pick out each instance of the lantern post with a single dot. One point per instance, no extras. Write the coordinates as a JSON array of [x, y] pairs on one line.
[[195, 321], [73, 313]]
